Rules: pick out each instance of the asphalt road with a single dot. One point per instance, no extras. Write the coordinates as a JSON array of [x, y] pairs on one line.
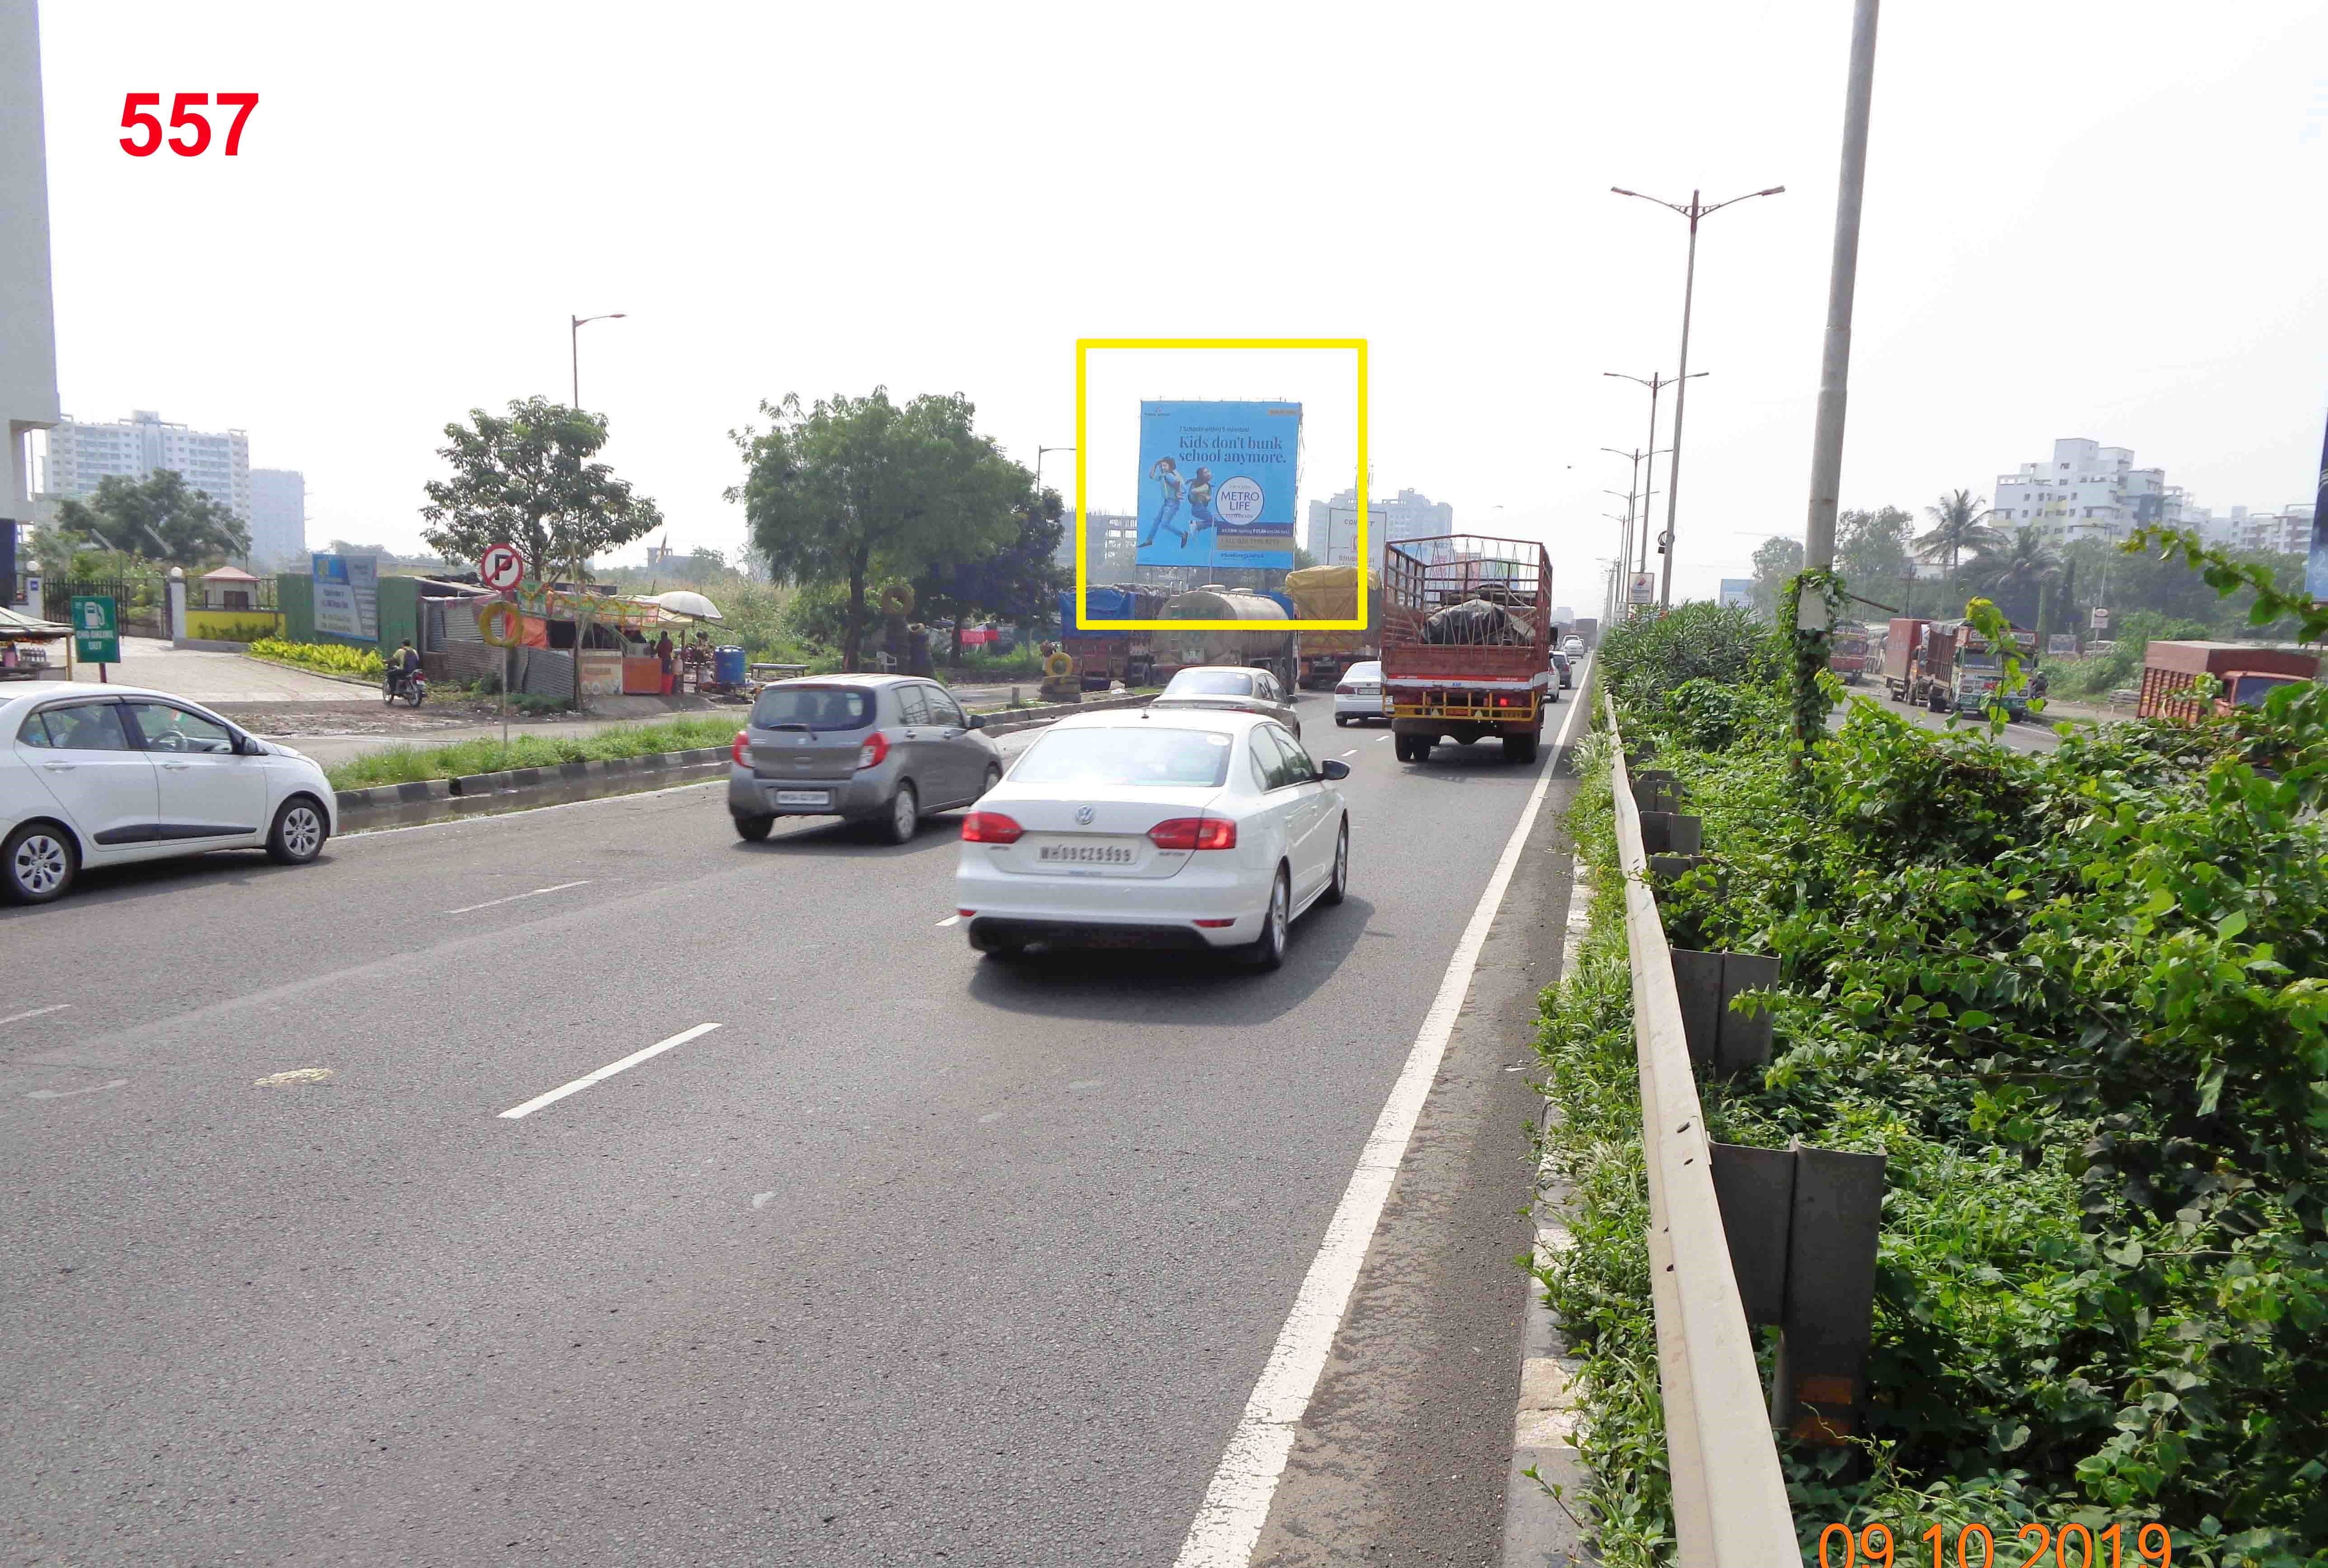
[[2034, 733], [913, 1257]]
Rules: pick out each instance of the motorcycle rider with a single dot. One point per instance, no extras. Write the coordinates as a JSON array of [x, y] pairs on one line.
[[402, 666]]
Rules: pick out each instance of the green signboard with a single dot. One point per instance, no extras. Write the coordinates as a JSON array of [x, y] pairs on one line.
[[96, 636]]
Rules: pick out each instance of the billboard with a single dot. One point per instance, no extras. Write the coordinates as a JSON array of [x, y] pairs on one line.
[[347, 595], [1645, 587], [1217, 483], [1737, 592]]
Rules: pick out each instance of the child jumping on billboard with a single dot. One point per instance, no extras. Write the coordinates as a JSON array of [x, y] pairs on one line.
[[1200, 504], [1168, 473]]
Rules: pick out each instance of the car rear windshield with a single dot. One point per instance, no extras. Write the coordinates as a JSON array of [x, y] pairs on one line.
[[1198, 759], [1210, 682], [813, 708]]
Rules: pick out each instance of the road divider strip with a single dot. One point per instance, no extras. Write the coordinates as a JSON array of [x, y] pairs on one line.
[[534, 894], [519, 1113], [1237, 1503]]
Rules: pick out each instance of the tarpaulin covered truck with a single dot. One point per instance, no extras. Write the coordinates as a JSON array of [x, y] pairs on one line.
[[2243, 675], [1466, 643], [1331, 594], [1948, 665], [1101, 655]]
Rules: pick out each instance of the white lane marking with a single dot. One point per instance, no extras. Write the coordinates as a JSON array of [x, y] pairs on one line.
[[951, 919], [609, 1070], [991, 1116], [1384, 739], [67, 1093], [1351, 752], [35, 1013], [762, 1200], [489, 903], [1236, 1504], [298, 1074]]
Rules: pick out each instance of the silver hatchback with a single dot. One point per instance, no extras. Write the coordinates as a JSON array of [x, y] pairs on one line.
[[883, 749]]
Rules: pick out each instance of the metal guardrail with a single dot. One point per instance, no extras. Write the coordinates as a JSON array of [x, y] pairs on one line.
[[1730, 1496]]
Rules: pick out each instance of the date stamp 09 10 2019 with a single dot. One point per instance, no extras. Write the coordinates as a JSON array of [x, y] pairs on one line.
[[1975, 1546]]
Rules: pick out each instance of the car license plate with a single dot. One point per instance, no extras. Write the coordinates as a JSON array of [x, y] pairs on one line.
[[803, 797], [1087, 854]]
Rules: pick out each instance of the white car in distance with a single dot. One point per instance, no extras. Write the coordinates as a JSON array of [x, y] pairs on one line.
[[1359, 695], [1185, 828], [94, 775], [1572, 646]]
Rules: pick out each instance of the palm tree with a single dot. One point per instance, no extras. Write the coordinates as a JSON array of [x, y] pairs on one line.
[[1959, 523], [2012, 571]]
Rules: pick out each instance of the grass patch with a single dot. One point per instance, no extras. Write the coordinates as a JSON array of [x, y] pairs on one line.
[[411, 764]]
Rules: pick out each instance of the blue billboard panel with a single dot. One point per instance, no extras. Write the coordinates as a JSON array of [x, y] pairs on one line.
[[1217, 483]]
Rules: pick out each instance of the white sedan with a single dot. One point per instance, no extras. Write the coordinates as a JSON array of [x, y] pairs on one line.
[[1359, 695], [103, 775], [1174, 829]]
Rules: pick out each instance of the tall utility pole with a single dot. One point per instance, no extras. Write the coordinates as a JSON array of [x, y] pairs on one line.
[[574, 341], [1834, 360], [1657, 382], [1694, 212]]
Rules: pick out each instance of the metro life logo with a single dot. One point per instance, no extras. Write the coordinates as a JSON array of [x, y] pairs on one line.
[[195, 138]]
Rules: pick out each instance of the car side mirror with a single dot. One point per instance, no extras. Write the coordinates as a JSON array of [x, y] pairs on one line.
[[976, 721], [1335, 769]]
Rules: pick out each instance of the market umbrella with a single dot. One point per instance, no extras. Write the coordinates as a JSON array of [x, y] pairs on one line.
[[685, 602]]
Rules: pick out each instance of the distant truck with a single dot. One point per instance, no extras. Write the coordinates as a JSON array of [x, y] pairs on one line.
[[2245, 674], [1848, 653], [1331, 594], [1588, 628], [1947, 666], [1103, 657], [1260, 638], [1466, 643]]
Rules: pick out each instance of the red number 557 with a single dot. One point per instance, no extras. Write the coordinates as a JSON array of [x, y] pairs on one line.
[[133, 117]]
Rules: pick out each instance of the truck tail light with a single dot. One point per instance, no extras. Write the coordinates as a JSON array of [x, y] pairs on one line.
[[989, 827], [873, 752], [736, 752], [1194, 833]]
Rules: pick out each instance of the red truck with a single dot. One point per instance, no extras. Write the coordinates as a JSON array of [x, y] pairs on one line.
[[1466, 643], [2245, 675], [1948, 665]]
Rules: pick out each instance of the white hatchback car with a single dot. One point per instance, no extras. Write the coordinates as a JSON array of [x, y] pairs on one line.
[[1359, 695], [1179, 829], [104, 775]]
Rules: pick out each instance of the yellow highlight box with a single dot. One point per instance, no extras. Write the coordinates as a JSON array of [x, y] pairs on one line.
[[1083, 561]]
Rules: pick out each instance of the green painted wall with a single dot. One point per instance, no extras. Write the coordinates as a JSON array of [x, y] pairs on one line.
[[400, 612], [295, 596]]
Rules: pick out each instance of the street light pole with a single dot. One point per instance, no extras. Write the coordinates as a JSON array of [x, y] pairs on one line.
[[1655, 381], [574, 342], [1039, 468], [1695, 211]]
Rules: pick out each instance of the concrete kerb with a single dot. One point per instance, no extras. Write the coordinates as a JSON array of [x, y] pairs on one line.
[[1008, 721], [386, 805]]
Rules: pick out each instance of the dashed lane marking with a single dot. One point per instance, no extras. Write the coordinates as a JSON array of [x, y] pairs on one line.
[[516, 1113], [35, 1013], [537, 892]]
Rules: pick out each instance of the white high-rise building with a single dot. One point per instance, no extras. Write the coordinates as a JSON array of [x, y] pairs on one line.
[[217, 463], [279, 519], [2286, 532], [2088, 491], [1390, 520]]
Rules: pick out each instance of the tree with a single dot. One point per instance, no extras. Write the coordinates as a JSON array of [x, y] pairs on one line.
[[1871, 550], [2014, 571], [1013, 581], [858, 486], [157, 518], [1959, 523], [1302, 559], [1775, 559], [528, 480]]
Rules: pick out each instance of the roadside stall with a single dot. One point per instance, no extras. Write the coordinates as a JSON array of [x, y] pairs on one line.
[[612, 635], [28, 648], [703, 666]]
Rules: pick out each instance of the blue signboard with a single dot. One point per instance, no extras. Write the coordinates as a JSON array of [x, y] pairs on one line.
[[1217, 483]]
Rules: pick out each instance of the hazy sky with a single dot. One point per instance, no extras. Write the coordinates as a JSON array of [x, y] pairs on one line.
[[2083, 219]]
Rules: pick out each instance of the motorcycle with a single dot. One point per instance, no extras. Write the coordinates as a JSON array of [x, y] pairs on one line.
[[413, 688]]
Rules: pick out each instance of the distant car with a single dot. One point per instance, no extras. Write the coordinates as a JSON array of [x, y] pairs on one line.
[[1189, 828], [1572, 646], [1231, 688], [883, 749], [1359, 697], [97, 775], [1559, 668]]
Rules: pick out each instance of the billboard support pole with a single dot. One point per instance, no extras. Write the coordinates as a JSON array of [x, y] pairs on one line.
[[2315, 566]]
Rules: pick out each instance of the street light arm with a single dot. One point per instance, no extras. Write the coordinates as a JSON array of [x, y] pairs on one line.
[[1718, 206], [1669, 206]]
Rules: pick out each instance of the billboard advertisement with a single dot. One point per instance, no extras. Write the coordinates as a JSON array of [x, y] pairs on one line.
[[1217, 483], [1737, 592], [2316, 563], [347, 595]]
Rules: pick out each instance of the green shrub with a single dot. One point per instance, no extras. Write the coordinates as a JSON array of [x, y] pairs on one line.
[[410, 764], [329, 657]]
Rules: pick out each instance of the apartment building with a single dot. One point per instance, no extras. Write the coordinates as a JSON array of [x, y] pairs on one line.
[[2086, 491], [216, 463]]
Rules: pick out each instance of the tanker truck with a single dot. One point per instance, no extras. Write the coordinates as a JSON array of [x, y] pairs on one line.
[[1274, 648]]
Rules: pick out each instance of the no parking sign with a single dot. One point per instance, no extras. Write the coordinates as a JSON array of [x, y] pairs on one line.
[[502, 567]]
